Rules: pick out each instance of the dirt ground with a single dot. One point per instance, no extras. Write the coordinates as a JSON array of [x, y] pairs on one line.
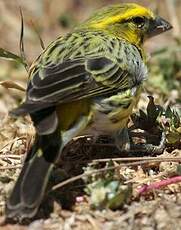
[[69, 207]]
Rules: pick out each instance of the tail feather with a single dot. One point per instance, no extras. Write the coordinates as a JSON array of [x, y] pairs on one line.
[[31, 185], [37, 175], [14, 200], [29, 106], [29, 189]]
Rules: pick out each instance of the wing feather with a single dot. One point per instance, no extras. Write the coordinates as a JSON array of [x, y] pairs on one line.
[[81, 77]]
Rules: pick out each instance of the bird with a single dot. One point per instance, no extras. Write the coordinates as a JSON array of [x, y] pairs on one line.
[[85, 82]]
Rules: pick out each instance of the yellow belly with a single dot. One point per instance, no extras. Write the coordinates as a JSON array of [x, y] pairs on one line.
[[86, 117]]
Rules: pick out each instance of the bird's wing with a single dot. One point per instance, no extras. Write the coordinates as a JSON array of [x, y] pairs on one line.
[[74, 79]]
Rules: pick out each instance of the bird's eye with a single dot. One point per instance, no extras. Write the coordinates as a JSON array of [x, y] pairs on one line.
[[139, 21]]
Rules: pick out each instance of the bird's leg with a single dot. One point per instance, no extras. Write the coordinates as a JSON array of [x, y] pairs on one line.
[[122, 140], [150, 149]]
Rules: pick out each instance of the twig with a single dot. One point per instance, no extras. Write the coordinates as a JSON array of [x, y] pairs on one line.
[[10, 167], [9, 84], [12, 142], [100, 144], [159, 184], [152, 159], [2, 162], [96, 171], [21, 42], [70, 180], [38, 34], [10, 159], [18, 157], [146, 180]]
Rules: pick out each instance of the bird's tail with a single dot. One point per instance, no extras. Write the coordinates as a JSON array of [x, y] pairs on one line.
[[30, 187]]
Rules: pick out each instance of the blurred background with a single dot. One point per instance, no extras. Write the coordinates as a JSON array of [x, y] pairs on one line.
[[54, 17], [51, 18]]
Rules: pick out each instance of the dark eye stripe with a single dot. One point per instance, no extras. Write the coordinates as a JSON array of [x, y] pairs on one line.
[[139, 21]]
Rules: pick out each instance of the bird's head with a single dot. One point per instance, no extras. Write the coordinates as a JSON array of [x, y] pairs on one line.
[[129, 21]]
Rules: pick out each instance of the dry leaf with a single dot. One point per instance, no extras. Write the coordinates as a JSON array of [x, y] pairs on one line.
[[12, 85]]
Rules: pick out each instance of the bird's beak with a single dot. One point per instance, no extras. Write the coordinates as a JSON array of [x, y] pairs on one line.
[[158, 26]]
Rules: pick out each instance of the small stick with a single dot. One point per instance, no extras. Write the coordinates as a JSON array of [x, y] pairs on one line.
[[10, 167], [12, 142], [159, 184], [2, 156], [96, 171], [152, 159]]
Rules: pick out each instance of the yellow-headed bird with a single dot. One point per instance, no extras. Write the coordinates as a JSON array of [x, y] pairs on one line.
[[85, 82]]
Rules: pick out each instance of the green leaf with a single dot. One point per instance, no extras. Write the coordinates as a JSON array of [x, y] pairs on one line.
[[176, 119], [173, 138], [179, 169], [119, 198], [11, 56], [168, 112]]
